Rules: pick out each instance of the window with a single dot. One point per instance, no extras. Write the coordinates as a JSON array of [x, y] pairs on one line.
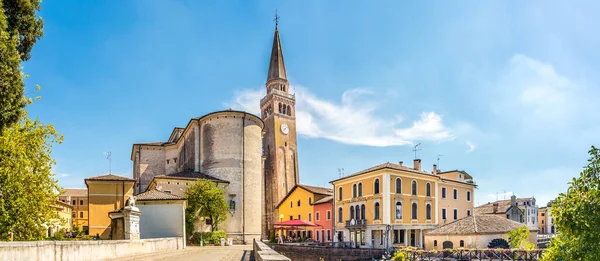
[[328, 235], [351, 212], [462, 243], [398, 186], [428, 189], [443, 192], [81, 214], [354, 190], [309, 217], [208, 221], [455, 214], [414, 210], [508, 216], [376, 188], [340, 213], [357, 212], [443, 213], [81, 202], [376, 210], [428, 211], [74, 202], [468, 212], [543, 214], [362, 212], [317, 216], [309, 200], [340, 193], [291, 204], [299, 217], [398, 210], [74, 215], [360, 189], [328, 214], [291, 218], [317, 233], [298, 202], [434, 243], [468, 195], [455, 194], [414, 187], [232, 204]]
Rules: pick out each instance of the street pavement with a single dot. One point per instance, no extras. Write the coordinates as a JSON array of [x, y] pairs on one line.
[[207, 253]]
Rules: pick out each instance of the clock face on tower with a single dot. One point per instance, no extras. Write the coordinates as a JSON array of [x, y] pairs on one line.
[[285, 129]]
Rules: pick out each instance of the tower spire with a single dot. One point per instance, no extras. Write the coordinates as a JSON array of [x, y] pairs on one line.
[[276, 65]]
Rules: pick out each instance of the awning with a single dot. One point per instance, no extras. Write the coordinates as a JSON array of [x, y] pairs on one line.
[[295, 223]]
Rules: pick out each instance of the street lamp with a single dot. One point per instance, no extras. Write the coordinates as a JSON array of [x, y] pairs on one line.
[[280, 217], [201, 230]]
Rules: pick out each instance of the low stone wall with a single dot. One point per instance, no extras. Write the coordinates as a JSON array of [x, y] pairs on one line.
[[264, 252], [85, 250], [312, 253]]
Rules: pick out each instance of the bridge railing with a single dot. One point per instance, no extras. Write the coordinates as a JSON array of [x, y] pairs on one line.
[[473, 254]]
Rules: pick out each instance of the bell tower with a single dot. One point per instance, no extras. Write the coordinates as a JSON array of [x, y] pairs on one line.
[[279, 141]]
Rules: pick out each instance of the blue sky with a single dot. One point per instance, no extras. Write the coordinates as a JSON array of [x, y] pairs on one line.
[[505, 90]]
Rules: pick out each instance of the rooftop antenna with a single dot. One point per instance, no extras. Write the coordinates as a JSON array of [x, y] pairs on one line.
[[108, 154], [438, 160], [504, 195], [341, 172], [416, 148]]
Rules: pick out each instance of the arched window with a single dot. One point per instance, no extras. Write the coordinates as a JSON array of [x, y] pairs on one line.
[[353, 190], [455, 194], [340, 193], [428, 189], [340, 213], [284, 109], [428, 211], [357, 210], [462, 243], [289, 110], [298, 202], [309, 200], [360, 189], [376, 210], [362, 212], [376, 187], [468, 195], [434, 243], [351, 212], [398, 210], [280, 108], [414, 187], [414, 211], [398, 186]]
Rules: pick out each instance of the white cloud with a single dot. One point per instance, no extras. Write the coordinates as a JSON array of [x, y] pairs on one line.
[[471, 146], [354, 120]]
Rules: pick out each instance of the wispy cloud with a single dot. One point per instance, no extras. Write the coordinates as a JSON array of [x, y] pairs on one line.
[[471, 146], [355, 119]]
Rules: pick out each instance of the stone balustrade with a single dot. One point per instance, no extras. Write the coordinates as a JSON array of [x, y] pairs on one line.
[[264, 252]]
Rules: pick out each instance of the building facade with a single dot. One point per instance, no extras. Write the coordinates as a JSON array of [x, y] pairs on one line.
[[391, 204], [223, 145], [323, 213], [542, 214], [78, 198], [455, 192], [279, 141], [523, 210], [106, 193], [299, 204], [64, 220]]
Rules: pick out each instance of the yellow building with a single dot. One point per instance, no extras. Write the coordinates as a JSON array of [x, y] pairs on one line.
[[298, 205], [78, 198], [105, 194], [392, 204], [63, 210], [456, 195]]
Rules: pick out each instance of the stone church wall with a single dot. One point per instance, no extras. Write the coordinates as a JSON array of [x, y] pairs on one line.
[[151, 164]]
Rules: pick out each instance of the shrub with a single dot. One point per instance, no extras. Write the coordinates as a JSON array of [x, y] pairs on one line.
[[86, 237], [217, 235], [59, 235], [399, 256], [498, 243]]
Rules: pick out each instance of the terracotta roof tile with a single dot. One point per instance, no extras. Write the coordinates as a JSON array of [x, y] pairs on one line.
[[110, 177], [157, 195], [317, 190], [192, 175], [324, 200], [75, 192], [388, 165], [478, 224]]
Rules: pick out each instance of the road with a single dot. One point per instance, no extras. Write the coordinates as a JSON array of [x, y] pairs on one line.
[[216, 253]]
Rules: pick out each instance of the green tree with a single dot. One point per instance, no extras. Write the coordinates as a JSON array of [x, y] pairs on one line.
[[576, 216], [24, 24], [518, 236], [205, 199], [27, 186]]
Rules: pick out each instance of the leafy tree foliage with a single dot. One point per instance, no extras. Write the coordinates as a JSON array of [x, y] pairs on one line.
[[205, 199], [24, 24], [498, 243], [27, 186], [11, 78], [576, 216], [518, 236]]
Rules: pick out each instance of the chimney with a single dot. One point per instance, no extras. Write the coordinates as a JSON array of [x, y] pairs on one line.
[[434, 169], [417, 164], [400, 163], [513, 200], [495, 207]]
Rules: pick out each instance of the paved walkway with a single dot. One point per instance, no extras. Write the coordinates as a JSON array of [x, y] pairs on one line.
[[217, 253]]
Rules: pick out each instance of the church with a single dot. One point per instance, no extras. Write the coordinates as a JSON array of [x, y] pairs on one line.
[[254, 158]]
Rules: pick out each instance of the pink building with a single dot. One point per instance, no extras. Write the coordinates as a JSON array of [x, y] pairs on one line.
[[323, 213]]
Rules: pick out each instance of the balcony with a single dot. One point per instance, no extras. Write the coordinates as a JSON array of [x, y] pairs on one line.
[[356, 223]]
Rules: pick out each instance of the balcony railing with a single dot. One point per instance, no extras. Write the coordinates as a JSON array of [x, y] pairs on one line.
[[278, 92], [356, 223]]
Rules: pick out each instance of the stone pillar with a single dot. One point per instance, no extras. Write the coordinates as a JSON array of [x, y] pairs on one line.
[[406, 239], [125, 223]]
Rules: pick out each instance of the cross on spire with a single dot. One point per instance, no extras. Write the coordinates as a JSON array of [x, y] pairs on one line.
[[276, 19]]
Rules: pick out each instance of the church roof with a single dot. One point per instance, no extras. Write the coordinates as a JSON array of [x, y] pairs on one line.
[[157, 195], [276, 65], [191, 175], [478, 224], [110, 177]]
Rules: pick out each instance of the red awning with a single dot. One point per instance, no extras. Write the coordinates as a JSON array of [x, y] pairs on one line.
[[295, 223]]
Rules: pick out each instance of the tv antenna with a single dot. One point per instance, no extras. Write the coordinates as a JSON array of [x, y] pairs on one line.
[[416, 148], [108, 154], [438, 160], [341, 172]]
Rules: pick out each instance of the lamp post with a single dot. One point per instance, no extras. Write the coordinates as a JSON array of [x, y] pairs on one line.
[[201, 230], [281, 220]]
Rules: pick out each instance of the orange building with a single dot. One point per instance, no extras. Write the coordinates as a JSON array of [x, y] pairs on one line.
[[299, 204], [323, 212], [106, 193], [78, 198]]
